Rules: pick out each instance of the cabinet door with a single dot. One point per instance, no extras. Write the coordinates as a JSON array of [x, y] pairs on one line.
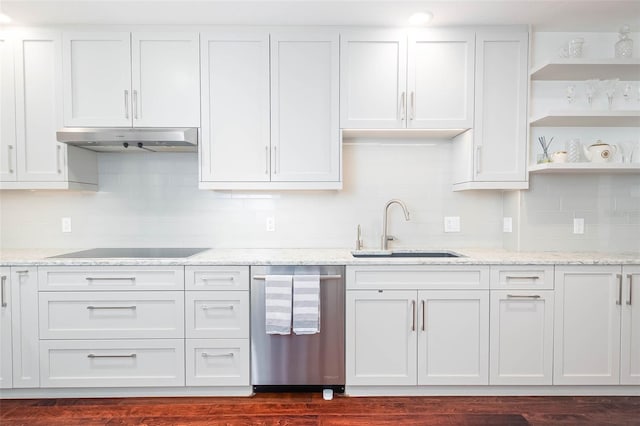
[[305, 132], [521, 349], [453, 337], [24, 321], [7, 112], [40, 158], [587, 326], [97, 79], [165, 79], [500, 130], [440, 74], [381, 337], [630, 337], [6, 364], [373, 79], [235, 107]]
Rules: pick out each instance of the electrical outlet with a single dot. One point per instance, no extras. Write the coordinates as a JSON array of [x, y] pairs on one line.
[[507, 224], [66, 224], [452, 224], [578, 225], [271, 224]]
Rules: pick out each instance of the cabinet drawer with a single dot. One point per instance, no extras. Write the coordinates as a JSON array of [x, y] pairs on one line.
[[111, 363], [217, 277], [412, 277], [525, 277], [217, 362], [111, 315], [213, 314], [85, 278]]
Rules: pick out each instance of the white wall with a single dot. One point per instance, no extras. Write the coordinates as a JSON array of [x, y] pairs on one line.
[[153, 200]]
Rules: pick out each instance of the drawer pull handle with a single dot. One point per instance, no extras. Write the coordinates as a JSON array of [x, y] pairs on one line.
[[207, 355], [217, 278], [515, 277], [2, 285], [207, 307], [22, 272], [91, 308], [523, 296], [111, 356], [111, 278]]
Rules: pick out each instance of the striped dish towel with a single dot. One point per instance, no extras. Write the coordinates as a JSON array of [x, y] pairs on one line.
[[306, 304], [277, 304]]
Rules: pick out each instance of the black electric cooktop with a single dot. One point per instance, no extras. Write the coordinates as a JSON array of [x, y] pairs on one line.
[[133, 252]]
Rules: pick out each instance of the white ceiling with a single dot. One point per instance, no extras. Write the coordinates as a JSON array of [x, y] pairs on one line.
[[548, 15]]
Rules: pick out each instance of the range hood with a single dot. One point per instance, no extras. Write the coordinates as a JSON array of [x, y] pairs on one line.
[[123, 139]]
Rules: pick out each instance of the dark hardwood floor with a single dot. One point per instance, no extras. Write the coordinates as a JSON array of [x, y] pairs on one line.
[[311, 409]]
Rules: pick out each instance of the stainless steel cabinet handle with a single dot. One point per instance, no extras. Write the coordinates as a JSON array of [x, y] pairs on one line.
[[413, 315], [26, 271], [403, 107], [523, 296], [110, 278], [275, 160], [126, 104], [10, 158], [619, 301], [266, 161], [111, 356], [514, 277], [135, 104], [207, 307], [91, 308], [322, 277], [58, 149], [206, 355], [3, 283], [478, 150], [413, 106], [230, 278], [424, 315], [630, 276]]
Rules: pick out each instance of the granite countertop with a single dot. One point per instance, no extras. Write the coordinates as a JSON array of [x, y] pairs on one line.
[[309, 256]]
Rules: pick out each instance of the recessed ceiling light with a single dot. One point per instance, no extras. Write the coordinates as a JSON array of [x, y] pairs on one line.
[[4, 19], [420, 18]]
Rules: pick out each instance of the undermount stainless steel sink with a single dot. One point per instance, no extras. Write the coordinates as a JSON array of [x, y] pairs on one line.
[[405, 253]]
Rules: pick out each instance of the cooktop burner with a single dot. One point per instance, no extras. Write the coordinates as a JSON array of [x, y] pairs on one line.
[[133, 253]]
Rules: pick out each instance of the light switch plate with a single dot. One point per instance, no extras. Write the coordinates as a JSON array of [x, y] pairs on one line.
[[66, 224], [578, 225], [507, 224], [452, 224]]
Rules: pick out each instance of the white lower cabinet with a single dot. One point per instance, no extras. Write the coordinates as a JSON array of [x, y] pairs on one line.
[[112, 363], [24, 327], [521, 337], [6, 363], [417, 337], [217, 362], [217, 326], [597, 338]]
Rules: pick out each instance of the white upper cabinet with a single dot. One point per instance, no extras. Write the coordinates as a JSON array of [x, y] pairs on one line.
[[236, 145], [7, 113], [373, 79], [440, 79], [270, 110], [493, 155], [305, 130], [31, 157], [391, 80], [118, 79]]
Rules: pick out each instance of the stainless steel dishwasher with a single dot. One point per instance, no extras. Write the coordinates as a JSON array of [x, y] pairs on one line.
[[305, 362]]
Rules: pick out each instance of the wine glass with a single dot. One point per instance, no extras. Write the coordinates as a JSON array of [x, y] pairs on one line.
[[609, 88], [591, 89]]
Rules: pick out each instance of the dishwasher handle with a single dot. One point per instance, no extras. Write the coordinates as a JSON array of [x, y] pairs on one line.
[[322, 277]]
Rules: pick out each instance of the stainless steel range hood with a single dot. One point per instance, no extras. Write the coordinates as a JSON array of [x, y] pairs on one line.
[[115, 139]]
